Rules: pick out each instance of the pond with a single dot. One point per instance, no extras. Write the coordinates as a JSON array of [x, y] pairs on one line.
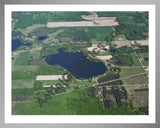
[[17, 43], [42, 38], [76, 63]]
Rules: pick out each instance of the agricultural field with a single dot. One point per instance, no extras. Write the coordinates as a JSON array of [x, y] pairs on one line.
[[28, 83], [127, 71], [143, 100], [141, 79], [63, 63], [75, 103]]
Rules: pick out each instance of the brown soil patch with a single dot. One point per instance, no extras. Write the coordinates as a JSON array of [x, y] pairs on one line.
[[104, 57], [94, 21], [50, 77], [122, 43], [143, 42]]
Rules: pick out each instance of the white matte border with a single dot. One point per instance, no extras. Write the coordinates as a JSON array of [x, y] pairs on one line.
[[79, 119]]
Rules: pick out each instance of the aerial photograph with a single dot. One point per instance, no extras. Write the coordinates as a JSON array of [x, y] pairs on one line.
[[80, 63]]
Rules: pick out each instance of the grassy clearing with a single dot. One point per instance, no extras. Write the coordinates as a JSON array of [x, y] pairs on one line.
[[103, 53], [130, 71], [23, 75], [84, 83], [145, 63], [22, 59], [28, 83], [135, 59], [120, 37], [141, 24], [145, 54], [50, 82]]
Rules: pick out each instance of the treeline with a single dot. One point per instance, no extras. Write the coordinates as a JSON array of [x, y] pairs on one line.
[[110, 76]]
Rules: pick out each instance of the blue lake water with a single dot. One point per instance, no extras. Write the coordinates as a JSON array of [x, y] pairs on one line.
[[17, 43], [76, 64], [42, 38]]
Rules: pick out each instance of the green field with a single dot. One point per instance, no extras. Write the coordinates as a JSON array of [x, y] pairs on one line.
[[87, 33], [136, 23], [144, 55], [25, 68], [143, 79], [120, 37], [100, 32], [145, 63], [28, 83], [50, 82], [23, 75], [105, 53], [130, 71], [22, 59], [84, 83], [26, 19], [74, 103], [135, 59]]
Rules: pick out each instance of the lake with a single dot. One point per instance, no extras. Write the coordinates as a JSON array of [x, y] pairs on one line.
[[76, 64], [17, 43], [42, 38]]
